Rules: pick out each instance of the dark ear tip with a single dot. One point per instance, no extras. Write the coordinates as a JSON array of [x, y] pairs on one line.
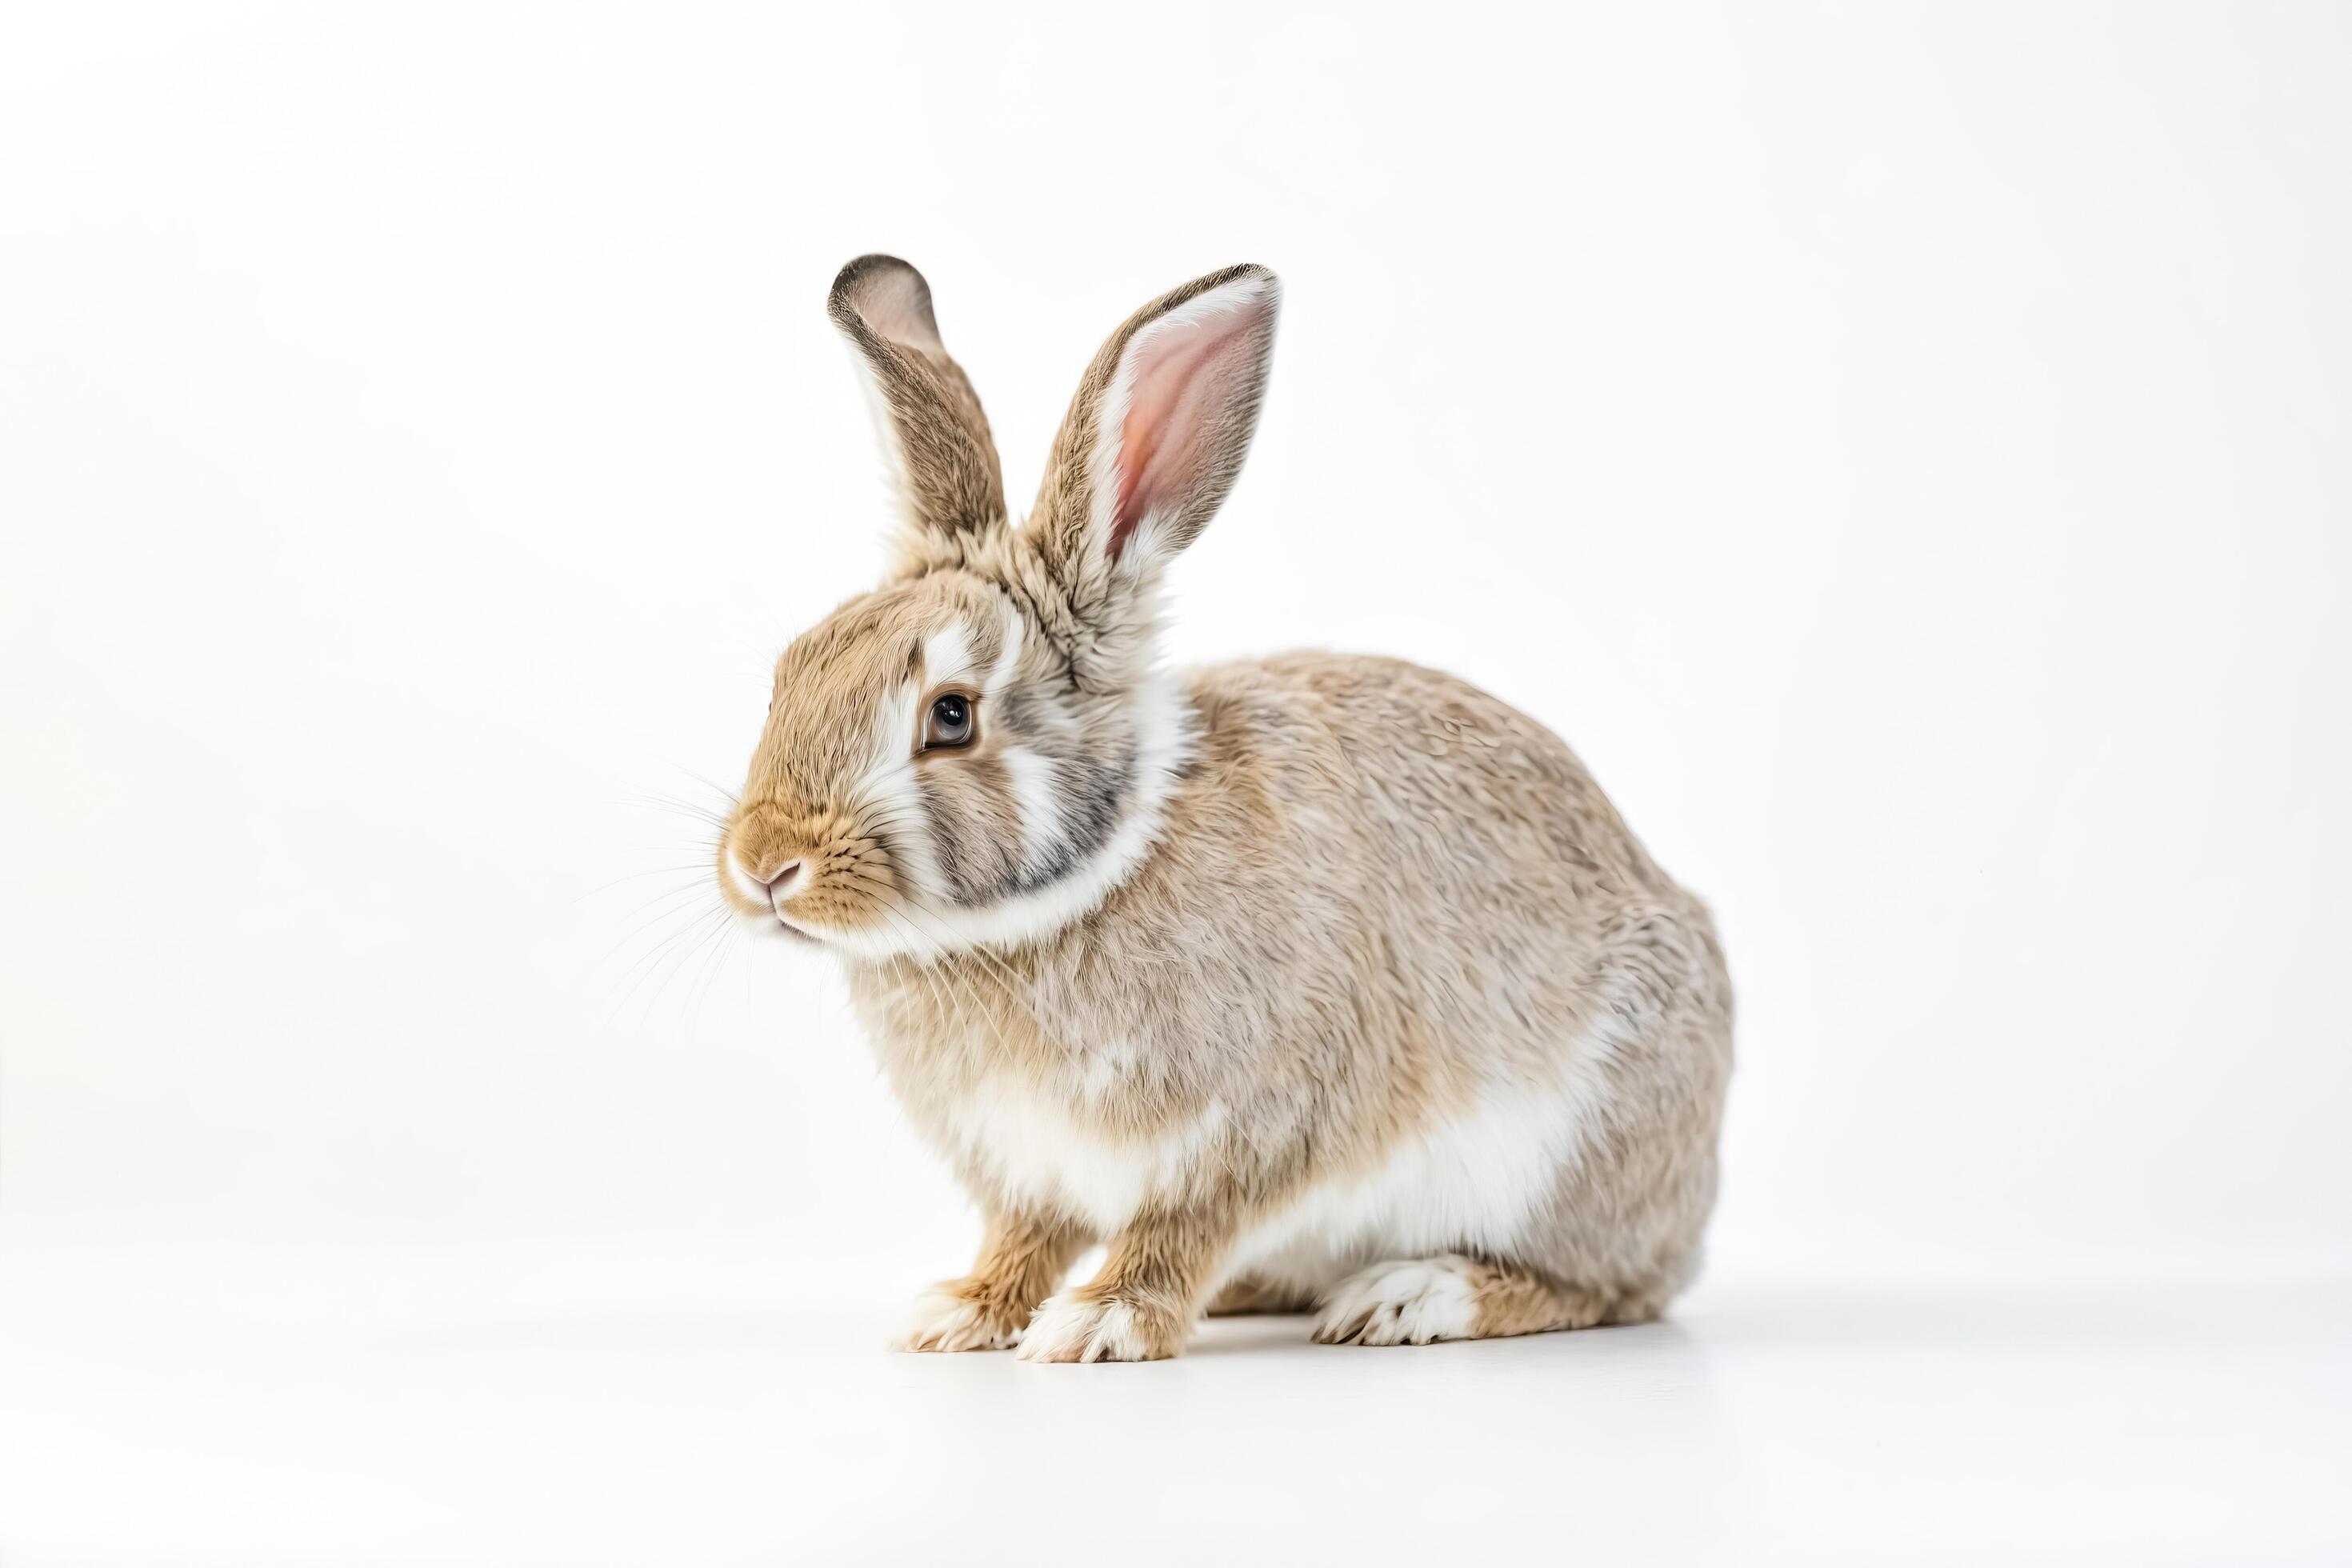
[[868, 268], [884, 295]]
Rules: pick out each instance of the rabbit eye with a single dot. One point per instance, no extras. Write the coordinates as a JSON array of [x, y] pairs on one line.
[[951, 722]]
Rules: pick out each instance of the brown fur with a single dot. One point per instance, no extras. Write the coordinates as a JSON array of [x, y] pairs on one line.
[[1250, 1294], [947, 458], [1022, 1259]]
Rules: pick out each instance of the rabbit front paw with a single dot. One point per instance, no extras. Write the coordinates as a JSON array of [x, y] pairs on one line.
[[947, 1319], [1076, 1326]]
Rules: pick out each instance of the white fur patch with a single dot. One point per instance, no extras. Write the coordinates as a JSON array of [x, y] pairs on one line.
[[1402, 1304], [1470, 1183], [1013, 631], [1067, 1330], [946, 654], [1034, 799], [1107, 1067], [1037, 1151], [748, 885]]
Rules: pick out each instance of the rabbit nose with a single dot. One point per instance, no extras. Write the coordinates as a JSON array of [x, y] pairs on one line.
[[784, 883]]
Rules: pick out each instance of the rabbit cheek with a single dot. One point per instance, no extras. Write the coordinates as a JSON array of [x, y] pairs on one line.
[[1092, 798], [1036, 810], [974, 827]]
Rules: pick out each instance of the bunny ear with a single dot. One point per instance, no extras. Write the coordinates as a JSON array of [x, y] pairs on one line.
[[1155, 435], [942, 461]]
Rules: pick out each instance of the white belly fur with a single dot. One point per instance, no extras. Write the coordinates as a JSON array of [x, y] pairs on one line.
[[1473, 1181]]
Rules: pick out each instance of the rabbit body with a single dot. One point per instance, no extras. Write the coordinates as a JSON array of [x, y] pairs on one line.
[[1313, 983], [1395, 983]]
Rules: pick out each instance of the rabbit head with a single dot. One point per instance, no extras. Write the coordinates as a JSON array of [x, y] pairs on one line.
[[978, 750]]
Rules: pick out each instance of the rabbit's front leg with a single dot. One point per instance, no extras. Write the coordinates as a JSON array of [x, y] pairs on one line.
[[1022, 1257], [1139, 1306]]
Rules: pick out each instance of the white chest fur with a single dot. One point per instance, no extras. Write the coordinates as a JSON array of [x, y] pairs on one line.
[[1043, 1150]]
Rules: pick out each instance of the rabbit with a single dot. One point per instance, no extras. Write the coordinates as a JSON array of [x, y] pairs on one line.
[[1318, 984]]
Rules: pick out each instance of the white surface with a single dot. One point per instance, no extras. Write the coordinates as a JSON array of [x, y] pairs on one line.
[[1902, 449], [576, 1420]]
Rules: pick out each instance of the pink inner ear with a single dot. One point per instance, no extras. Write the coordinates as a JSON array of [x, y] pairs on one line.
[[896, 304], [1186, 372]]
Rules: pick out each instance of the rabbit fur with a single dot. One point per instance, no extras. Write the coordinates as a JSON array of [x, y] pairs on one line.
[[1317, 982]]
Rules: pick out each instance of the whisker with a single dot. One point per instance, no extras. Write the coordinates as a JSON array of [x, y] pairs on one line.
[[711, 944], [680, 808], [647, 965], [701, 932], [696, 871], [675, 901], [729, 795]]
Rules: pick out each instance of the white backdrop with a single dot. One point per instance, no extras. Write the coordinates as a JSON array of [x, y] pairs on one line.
[[1904, 451]]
